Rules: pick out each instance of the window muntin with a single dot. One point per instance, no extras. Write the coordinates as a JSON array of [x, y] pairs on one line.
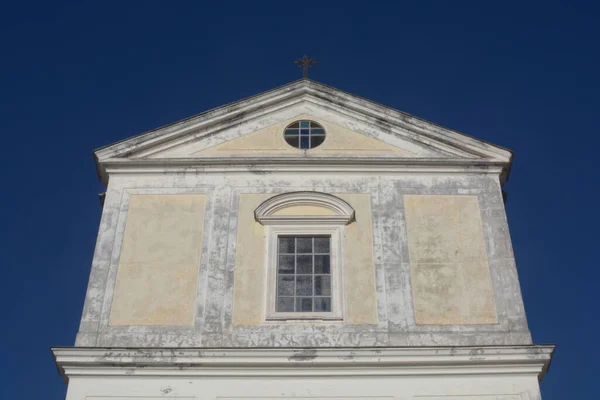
[[303, 274], [336, 310], [304, 135]]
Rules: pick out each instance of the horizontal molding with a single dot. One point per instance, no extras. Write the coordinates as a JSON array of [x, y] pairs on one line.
[[300, 160], [313, 165], [306, 219], [241, 362]]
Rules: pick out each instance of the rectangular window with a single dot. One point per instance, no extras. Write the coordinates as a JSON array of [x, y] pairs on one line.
[[303, 274]]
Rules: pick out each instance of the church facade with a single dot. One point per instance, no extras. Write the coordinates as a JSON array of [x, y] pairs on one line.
[[303, 243]]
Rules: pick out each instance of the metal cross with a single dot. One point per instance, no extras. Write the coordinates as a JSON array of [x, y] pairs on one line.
[[305, 62]]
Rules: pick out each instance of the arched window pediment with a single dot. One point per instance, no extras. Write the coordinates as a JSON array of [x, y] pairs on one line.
[[304, 208]]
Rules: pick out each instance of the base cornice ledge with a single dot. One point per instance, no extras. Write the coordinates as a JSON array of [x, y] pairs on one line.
[[291, 362]]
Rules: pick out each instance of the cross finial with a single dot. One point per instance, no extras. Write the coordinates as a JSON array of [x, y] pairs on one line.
[[305, 62]]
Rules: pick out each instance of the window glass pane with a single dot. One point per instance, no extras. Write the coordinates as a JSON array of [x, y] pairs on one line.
[[304, 265], [304, 304], [285, 285], [322, 265], [304, 285], [285, 304], [304, 135], [286, 245], [305, 245], [304, 142], [286, 265], [293, 141], [322, 285], [303, 282], [321, 245], [316, 141], [322, 304]]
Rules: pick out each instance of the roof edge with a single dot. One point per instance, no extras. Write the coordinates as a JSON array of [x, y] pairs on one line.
[[313, 164], [375, 112]]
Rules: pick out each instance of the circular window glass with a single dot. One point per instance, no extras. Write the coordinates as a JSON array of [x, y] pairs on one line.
[[304, 135]]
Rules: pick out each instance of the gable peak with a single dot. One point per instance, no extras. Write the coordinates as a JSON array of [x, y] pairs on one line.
[[375, 119]]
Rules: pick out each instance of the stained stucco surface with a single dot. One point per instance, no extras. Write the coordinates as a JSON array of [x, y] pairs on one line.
[[227, 206], [449, 267], [358, 270], [157, 275], [249, 273], [443, 163], [338, 140]]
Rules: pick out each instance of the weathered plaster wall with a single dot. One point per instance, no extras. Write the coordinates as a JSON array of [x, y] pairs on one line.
[[360, 301], [338, 140], [396, 322], [449, 268], [359, 271], [249, 273], [157, 275]]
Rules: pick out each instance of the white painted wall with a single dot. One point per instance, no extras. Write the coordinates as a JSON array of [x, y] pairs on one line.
[[307, 388]]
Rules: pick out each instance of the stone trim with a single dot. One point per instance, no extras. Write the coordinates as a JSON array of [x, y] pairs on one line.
[[264, 212], [293, 164], [376, 361]]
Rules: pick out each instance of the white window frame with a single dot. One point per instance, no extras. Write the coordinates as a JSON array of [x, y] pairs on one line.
[[336, 268], [332, 225]]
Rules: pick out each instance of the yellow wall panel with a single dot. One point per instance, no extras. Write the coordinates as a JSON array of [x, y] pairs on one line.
[[158, 268], [358, 270], [449, 266]]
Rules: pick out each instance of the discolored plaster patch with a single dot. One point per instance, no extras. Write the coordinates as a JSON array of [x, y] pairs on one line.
[[396, 324], [158, 267], [449, 266]]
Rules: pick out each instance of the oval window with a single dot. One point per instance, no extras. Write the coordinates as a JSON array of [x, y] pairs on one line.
[[304, 135]]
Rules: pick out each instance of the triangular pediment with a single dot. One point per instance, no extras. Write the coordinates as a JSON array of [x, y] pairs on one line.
[[355, 129]]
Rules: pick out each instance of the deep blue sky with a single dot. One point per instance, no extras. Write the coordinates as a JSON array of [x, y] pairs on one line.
[[75, 76]]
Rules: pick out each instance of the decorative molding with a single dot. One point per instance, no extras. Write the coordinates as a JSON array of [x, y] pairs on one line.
[[273, 362], [305, 220], [265, 212], [316, 165]]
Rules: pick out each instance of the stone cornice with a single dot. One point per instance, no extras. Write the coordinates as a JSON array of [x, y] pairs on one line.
[[384, 361], [313, 164]]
